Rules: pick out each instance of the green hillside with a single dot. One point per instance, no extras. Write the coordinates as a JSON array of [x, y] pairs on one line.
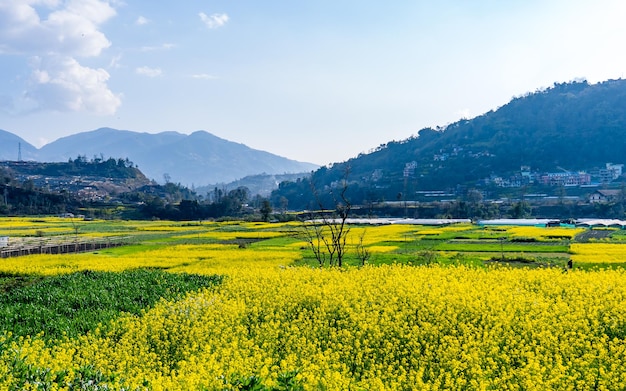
[[568, 127]]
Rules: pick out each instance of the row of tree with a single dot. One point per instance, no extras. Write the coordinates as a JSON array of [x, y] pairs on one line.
[[233, 203]]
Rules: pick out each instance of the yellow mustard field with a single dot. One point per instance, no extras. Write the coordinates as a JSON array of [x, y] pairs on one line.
[[203, 259], [601, 253], [543, 233], [389, 327], [377, 328]]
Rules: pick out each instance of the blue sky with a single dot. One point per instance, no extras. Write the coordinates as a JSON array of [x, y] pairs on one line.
[[318, 81]]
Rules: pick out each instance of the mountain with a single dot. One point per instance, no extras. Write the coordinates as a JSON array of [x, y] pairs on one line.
[[199, 158], [11, 146], [567, 127], [261, 184]]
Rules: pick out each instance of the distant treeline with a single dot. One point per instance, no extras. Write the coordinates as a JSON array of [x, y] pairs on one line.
[[170, 201], [18, 200], [175, 202], [236, 203], [97, 166]]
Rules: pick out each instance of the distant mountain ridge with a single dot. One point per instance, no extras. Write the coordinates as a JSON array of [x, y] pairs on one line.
[[12, 146], [200, 158], [261, 184]]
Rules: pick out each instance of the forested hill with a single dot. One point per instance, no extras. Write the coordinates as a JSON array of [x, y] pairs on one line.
[[122, 169], [570, 126]]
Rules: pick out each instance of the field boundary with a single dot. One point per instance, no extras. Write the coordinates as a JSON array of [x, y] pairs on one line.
[[63, 247]]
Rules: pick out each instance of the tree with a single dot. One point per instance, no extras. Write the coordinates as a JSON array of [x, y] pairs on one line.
[[520, 210], [474, 200], [327, 231], [266, 209], [361, 251], [283, 202], [312, 233], [189, 210]]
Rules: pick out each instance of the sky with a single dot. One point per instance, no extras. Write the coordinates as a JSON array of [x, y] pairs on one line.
[[319, 81]]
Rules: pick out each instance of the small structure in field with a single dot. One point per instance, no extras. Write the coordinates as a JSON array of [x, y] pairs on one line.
[[604, 196]]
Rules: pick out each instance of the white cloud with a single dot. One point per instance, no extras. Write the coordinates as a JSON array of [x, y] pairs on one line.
[[204, 76], [165, 46], [71, 29], [213, 21], [150, 72], [55, 33], [96, 11], [62, 84], [115, 62], [141, 21]]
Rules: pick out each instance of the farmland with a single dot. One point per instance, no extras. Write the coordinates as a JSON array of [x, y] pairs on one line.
[[234, 305]]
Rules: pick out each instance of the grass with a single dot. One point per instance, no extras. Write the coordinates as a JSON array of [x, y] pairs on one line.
[[73, 304], [129, 250], [506, 246]]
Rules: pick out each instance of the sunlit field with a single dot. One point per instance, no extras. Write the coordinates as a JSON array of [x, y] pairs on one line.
[[453, 307]]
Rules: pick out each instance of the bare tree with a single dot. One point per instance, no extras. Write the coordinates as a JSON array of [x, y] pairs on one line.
[[312, 233], [327, 231], [361, 251]]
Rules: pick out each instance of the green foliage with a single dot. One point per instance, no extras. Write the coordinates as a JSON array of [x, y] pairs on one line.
[[24, 199], [76, 303], [507, 246], [286, 382], [98, 166], [266, 209], [520, 210], [85, 378]]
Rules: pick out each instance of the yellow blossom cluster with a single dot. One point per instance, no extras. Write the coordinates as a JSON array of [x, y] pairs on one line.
[[376, 328], [231, 235], [383, 328], [203, 259], [382, 233], [598, 253], [543, 233]]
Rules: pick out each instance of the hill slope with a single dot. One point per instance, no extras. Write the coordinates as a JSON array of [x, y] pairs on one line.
[[570, 126], [11, 144]]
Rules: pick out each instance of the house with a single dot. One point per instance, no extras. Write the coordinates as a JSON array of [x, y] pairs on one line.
[[566, 179], [600, 196], [611, 172]]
